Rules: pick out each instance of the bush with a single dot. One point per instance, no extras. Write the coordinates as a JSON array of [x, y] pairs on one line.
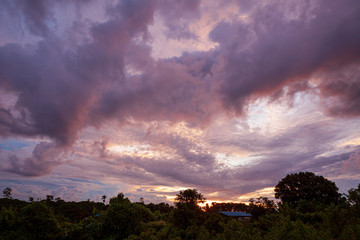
[[38, 222]]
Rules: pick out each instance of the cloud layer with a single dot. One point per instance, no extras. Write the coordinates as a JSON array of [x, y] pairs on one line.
[[72, 67]]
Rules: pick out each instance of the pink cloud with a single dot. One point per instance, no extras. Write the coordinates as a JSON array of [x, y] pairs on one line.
[[63, 88]]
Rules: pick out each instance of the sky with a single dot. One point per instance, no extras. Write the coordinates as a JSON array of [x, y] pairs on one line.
[[151, 97]]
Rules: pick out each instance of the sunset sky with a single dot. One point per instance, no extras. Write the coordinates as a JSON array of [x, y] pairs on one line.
[[150, 97]]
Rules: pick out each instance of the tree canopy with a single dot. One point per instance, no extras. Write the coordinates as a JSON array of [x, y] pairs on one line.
[[354, 196], [7, 192], [189, 197], [123, 219], [306, 186]]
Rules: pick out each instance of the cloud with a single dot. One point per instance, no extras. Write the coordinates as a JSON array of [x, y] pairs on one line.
[[340, 89], [44, 158], [276, 45], [353, 163], [61, 91], [100, 148], [178, 16], [34, 16], [51, 100], [174, 156], [273, 50]]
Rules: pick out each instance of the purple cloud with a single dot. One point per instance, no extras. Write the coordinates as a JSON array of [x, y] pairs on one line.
[[272, 49], [62, 91], [101, 69], [34, 15], [44, 158]]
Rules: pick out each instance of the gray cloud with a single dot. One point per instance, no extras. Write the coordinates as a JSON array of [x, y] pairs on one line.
[[44, 158], [62, 91], [62, 87], [276, 46]]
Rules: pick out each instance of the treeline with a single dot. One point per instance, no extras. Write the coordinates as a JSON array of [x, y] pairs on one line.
[[310, 207]]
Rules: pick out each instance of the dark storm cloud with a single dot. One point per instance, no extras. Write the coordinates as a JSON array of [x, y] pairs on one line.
[[167, 92], [51, 98], [61, 91], [270, 49], [55, 87], [341, 89]]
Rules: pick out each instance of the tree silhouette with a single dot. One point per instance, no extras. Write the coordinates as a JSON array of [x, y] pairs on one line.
[[49, 198], [189, 197], [38, 222], [7, 193], [187, 212], [354, 196], [123, 218], [306, 186], [103, 198], [261, 206]]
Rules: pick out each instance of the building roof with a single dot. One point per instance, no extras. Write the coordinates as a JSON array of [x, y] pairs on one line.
[[236, 214]]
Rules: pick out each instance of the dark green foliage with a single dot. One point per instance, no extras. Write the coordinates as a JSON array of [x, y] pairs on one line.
[[351, 232], [7, 192], [213, 223], [334, 218], [189, 197], [285, 229], [8, 224], [88, 228], [261, 206], [123, 219], [75, 211], [233, 230], [37, 221], [12, 203], [257, 207], [354, 196], [306, 186], [157, 230], [49, 198], [185, 216], [161, 207], [187, 212], [228, 206]]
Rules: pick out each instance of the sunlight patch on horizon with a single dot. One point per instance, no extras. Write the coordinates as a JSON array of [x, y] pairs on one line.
[[209, 202], [169, 189]]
